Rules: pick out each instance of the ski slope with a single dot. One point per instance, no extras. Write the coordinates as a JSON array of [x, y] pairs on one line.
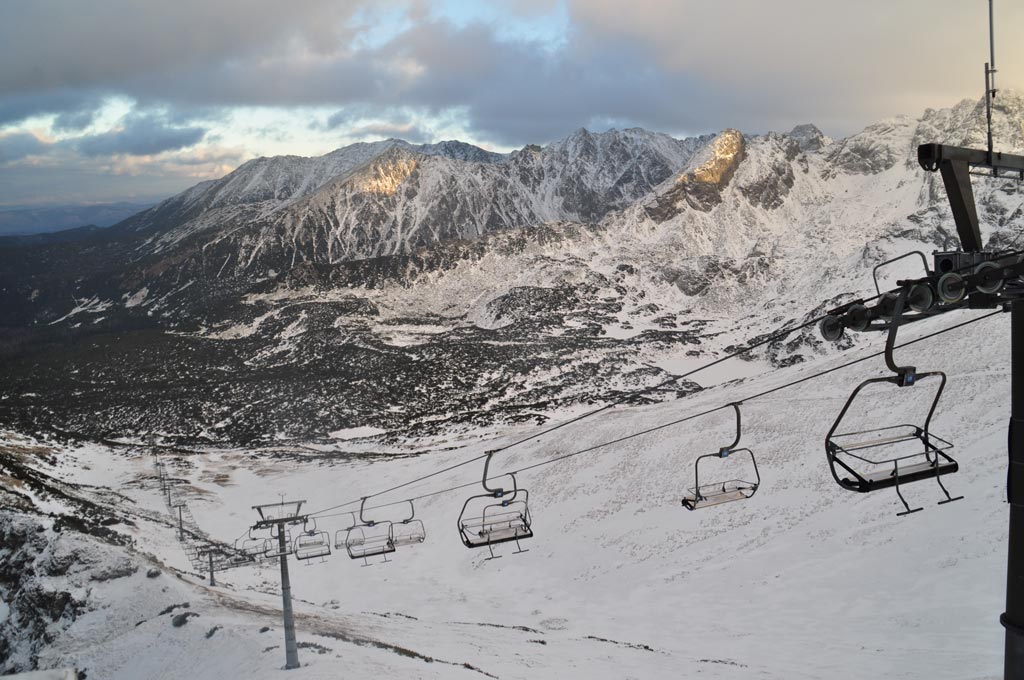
[[804, 580]]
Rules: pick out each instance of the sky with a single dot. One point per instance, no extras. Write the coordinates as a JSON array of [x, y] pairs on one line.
[[136, 100]]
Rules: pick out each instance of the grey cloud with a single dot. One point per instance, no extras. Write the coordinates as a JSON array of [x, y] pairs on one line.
[[679, 65], [18, 145], [17, 107], [71, 121], [140, 135], [407, 131], [401, 123], [50, 44]]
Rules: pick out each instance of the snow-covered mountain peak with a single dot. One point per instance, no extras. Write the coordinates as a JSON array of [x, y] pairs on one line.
[[717, 161], [385, 173], [809, 137]]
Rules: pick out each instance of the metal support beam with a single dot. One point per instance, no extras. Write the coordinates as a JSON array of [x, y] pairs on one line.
[[956, 176], [291, 649], [1013, 618]]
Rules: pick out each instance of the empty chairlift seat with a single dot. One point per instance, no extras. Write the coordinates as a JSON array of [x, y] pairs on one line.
[[312, 544], [866, 460], [368, 539], [497, 516], [506, 520], [869, 459], [364, 541], [715, 493], [704, 494], [254, 547], [409, 531]]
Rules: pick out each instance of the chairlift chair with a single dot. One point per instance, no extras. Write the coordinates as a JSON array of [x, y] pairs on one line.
[[368, 539], [252, 546], [312, 544], [498, 516], [273, 546], [409, 531], [703, 495], [895, 455]]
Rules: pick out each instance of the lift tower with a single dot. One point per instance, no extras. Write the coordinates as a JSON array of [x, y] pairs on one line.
[[277, 518]]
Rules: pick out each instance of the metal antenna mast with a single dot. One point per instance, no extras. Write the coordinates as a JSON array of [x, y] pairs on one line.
[[990, 82]]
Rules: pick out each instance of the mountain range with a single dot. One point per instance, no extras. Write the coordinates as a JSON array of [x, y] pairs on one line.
[[421, 288]]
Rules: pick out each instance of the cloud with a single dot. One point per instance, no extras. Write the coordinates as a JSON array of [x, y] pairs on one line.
[[73, 121], [407, 131], [505, 73], [16, 107], [367, 122], [680, 65], [142, 134], [62, 176], [53, 44], [842, 64], [18, 145]]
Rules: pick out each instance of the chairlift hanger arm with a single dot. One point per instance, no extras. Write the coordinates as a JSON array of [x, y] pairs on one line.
[[739, 431], [412, 516], [905, 374]]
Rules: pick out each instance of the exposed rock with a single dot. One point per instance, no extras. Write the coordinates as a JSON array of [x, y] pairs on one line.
[[179, 620], [701, 186]]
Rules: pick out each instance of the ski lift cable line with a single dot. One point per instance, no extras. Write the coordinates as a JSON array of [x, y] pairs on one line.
[[631, 395], [679, 421], [617, 402]]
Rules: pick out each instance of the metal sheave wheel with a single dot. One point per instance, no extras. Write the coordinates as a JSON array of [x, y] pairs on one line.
[[951, 288], [921, 297], [858, 318], [831, 328], [987, 279]]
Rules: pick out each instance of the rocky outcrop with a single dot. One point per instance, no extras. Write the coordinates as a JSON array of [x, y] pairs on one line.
[[700, 187]]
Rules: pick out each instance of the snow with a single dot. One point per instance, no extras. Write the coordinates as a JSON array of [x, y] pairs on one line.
[[56, 674], [805, 580], [92, 305], [356, 432], [137, 298]]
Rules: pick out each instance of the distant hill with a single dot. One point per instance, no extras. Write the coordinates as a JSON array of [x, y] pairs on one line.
[[22, 221]]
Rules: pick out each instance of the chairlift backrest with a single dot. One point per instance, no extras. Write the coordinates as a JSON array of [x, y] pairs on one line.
[[363, 540], [409, 530], [312, 544]]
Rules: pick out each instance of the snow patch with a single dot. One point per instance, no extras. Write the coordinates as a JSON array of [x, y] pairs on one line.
[[356, 432]]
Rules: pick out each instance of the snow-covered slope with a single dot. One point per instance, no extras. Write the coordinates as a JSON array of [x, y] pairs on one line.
[[803, 581]]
